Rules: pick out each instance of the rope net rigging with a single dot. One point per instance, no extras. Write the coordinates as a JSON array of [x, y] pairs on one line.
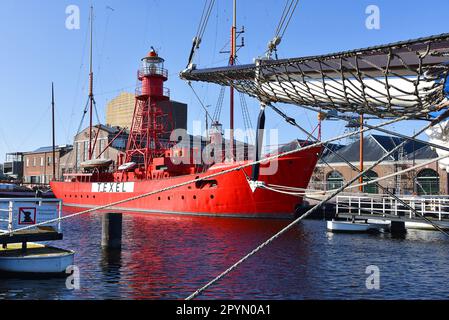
[[400, 79]]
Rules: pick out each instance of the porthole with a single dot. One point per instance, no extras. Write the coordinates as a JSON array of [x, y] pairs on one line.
[[194, 197], [212, 196]]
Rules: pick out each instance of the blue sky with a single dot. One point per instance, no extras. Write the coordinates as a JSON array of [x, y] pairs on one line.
[[36, 49]]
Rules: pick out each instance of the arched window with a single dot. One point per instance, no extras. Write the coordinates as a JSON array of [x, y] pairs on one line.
[[428, 182], [334, 180], [372, 187]]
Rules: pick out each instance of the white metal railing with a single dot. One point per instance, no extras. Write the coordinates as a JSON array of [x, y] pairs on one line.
[[165, 91], [152, 71], [44, 209], [436, 207]]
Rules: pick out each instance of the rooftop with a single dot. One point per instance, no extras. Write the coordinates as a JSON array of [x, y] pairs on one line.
[[50, 149], [376, 146]]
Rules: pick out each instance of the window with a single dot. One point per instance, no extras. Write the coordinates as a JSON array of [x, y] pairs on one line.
[[94, 151], [373, 187], [28, 162], [334, 180], [86, 150], [42, 161], [427, 182], [101, 147], [78, 154]]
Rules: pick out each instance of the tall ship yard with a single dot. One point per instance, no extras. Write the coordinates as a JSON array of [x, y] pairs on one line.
[[164, 158]]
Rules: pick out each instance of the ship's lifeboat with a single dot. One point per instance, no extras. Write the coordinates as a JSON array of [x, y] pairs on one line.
[[96, 164], [127, 166]]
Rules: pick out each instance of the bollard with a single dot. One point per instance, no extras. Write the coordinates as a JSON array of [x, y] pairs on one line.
[[111, 231], [398, 227]]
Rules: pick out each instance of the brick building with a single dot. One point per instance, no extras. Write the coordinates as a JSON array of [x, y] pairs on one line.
[[38, 164], [71, 161], [331, 172]]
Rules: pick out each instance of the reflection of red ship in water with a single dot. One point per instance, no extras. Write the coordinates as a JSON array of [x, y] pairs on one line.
[[149, 166]]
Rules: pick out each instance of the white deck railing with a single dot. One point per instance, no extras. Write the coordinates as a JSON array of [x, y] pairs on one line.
[[16, 213], [437, 207]]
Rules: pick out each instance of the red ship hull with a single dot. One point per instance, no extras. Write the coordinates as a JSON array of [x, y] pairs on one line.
[[227, 195]]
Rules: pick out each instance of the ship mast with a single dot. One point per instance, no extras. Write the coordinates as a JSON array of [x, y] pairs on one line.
[[91, 83], [361, 151], [231, 63], [53, 129]]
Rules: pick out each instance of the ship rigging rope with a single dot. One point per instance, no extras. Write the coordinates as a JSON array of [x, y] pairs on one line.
[[385, 215], [200, 101], [400, 79], [237, 168], [208, 6], [315, 191], [285, 229], [296, 221], [246, 118], [354, 168], [287, 14], [219, 105]]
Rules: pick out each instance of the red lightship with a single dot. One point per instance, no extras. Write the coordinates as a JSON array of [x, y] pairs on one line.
[[149, 167]]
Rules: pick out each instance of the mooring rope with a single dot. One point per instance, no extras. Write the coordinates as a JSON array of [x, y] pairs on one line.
[[240, 167], [275, 187], [360, 174], [435, 121], [292, 224]]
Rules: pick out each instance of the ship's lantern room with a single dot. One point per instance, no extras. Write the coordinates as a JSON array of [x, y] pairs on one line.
[[152, 64]]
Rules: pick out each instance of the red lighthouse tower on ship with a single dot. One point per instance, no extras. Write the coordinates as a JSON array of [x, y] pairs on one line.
[[190, 188], [151, 125]]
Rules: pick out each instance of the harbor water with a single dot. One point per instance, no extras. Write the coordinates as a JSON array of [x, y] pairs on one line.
[[169, 257]]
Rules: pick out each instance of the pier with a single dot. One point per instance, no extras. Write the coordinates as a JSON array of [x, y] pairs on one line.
[[18, 215], [418, 212], [23, 222]]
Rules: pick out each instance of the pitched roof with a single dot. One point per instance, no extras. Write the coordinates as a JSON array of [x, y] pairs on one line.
[[376, 146], [425, 152], [50, 149]]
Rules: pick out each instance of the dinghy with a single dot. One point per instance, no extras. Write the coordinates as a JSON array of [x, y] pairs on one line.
[[37, 258], [351, 226]]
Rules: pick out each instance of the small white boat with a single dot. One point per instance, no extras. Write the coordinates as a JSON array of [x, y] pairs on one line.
[[426, 226], [349, 226], [36, 259], [381, 224]]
